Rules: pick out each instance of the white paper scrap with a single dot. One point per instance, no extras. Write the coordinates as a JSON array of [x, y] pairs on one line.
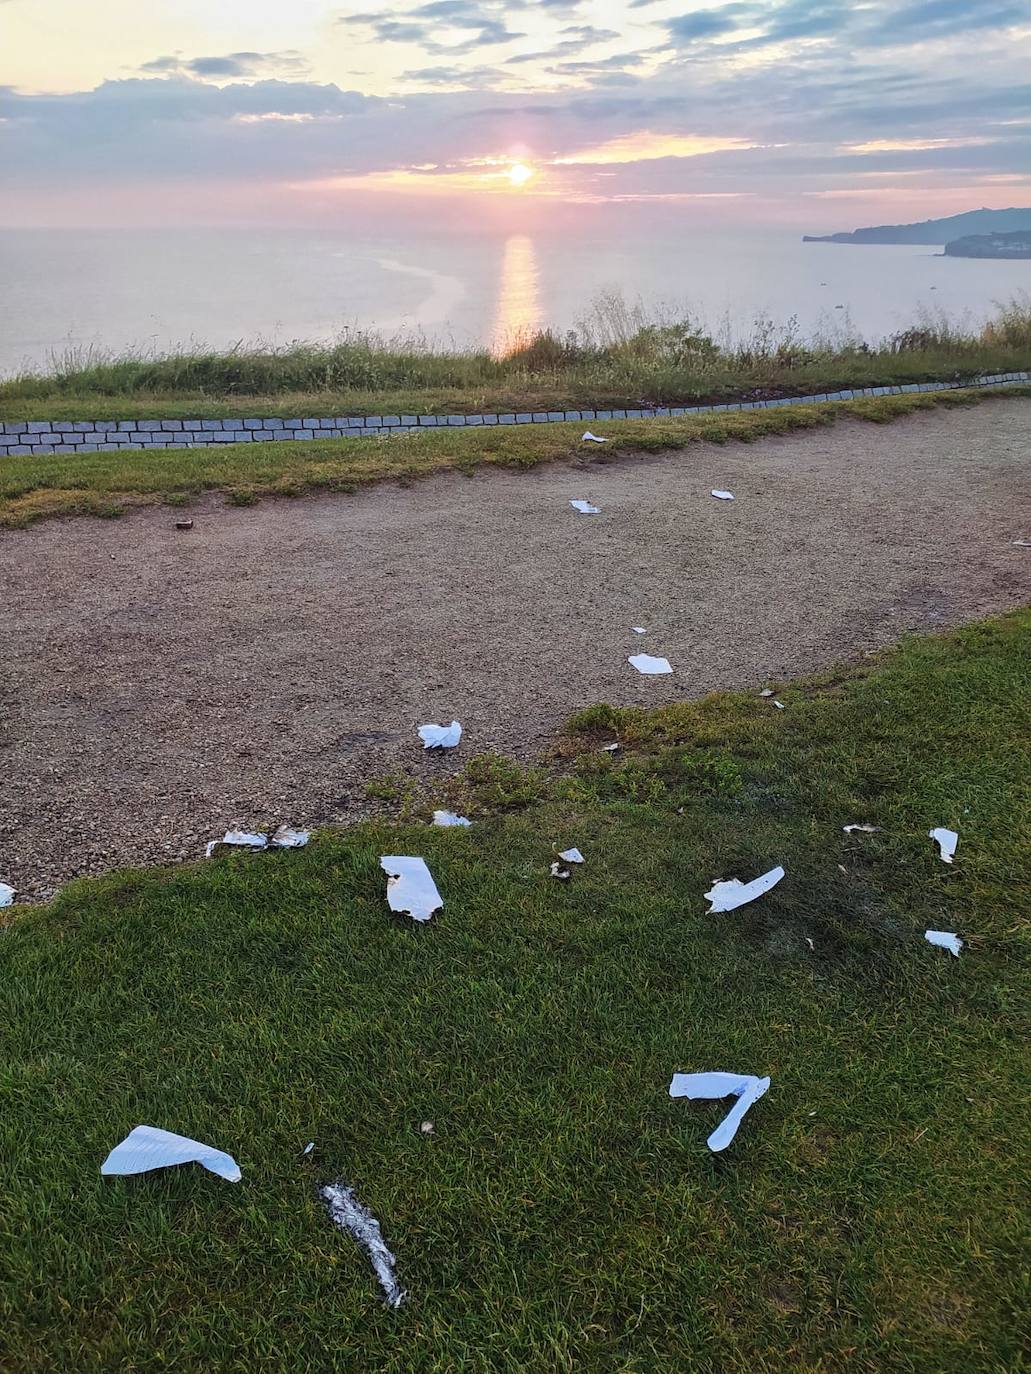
[[766, 692], [779, 704], [638, 629], [590, 438], [6, 894], [449, 818], [729, 895], [1022, 543], [440, 736], [348, 1213], [866, 829], [610, 748], [308, 1148], [944, 939], [246, 839], [723, 495], [557, 871], [745, 1087], [946, 841], [585, 508], [410, 886], [285, 838], [647, 664], [571, 856], [149, 1147]]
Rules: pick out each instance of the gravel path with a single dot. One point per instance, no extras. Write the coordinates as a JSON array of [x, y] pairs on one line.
[[159, 686]]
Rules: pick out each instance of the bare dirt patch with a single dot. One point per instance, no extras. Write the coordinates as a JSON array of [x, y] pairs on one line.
[[158, 685]]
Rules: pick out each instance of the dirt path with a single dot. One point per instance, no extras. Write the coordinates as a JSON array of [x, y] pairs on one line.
[[158, 686]]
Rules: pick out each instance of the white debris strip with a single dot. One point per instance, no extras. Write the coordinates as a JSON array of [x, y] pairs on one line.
[[348, 1214], [609, 748], [449, 818], [729, 895], [723, 495], [779, 704], [6, 894], [585, 508], [245, 839], [866, 829], [766, 692], [590, 438], [744, 1086], [308, 1148], [571, 856], [410, 886], [285, 838], [648, 664], [1022, 543], [638, 629], [946, 841], [149, 1147], [557, 871], [440, 736], [944, 939]]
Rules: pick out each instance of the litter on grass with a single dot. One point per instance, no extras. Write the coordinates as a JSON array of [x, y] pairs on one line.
[[590, 438], [6, 894], [557, 871], [745, 1087], [729, 895], [571, 856], [285, 838], [779, 704], [426, 1127], [410, 886], [348, 1214], [585, 508], [766, 692], [866, 829], [609, 748], [946, 841], [282, 838], [649, 665], [723, 495], [149, 1147], [944, 939], [440, 736], [449, 818], [308, 1148]]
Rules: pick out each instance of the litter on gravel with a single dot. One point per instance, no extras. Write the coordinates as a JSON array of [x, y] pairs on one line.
[[638, 629], [281, 838], [722, 495], [744, 1086], [866, 829], [440, 736], [730, 894], [571, 856], [349, 1215], [944, 939], [450, 818], [6, 894], [648, 664], [590, 438], [946, 841], [585, 508], [410, 886], [149, 1147], [285, 838]]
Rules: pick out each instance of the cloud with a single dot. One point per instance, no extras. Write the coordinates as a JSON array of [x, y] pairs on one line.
[[422, 26], [233, 64]]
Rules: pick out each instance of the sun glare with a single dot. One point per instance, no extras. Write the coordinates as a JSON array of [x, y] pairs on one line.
[[519, 174]]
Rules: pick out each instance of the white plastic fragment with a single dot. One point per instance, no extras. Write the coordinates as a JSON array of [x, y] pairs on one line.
[[308, 1148], [723, 495], [1022, 543], [571, 856], [246, 839], [6, 894], [426, 1127], [638, 629], [609, 748], [766, 692], [557, 871], [449, 818], [585, 508], [866, 829], [779, 704], [946, 841], [440, 736], [348, 1214], [149, 1147], [285, 838], [745, 1087], [729, 895], [410, 886], [648, 664], [590, 438], [944, 939]]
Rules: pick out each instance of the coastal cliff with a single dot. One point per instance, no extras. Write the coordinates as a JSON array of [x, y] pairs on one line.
[[1013, 245], [936, 231]]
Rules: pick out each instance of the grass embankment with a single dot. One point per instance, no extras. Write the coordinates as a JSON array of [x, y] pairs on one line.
[[565, 1213], [37, 485], [617, 358]]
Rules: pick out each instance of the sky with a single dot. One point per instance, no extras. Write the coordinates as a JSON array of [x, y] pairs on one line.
[[821, 114]]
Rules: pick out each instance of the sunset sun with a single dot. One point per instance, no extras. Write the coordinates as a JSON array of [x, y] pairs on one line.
[[519, 174]]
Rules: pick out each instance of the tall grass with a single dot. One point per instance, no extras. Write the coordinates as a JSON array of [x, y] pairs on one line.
[[619, 350]]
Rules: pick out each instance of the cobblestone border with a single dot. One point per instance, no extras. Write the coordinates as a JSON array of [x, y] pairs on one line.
[[104, 436]]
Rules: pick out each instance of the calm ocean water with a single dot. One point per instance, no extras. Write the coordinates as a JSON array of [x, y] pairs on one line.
[[117, 289]]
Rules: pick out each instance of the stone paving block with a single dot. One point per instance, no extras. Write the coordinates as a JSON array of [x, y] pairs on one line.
[[172, 426], [456, 419], [409, 420], [488, 419], [556, 415], [506, 419], [524, 418], [272, 423], [428, 420], [38, 427], [474, 419], [19, 449], [63, 427], [540, 417]]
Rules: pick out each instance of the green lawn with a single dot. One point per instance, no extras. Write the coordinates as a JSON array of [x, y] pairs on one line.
[[565, 1214], [37, 485]]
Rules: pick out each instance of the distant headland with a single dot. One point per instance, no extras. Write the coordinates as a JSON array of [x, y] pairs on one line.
[[1002, 223]]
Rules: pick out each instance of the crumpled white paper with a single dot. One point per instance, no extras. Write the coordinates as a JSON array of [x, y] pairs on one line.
[[648, 664], [946, 841], [450, 818], [729, 895], [557, 871], [348, 1213], [944, 939], [585, 508], [149, 1147], [744, 1086], [440, 736], [723, 495], [285, 838], [638, 629], [866, 829], [571, 856], [766, 692], [410, 886], [246, 839], [7, 894], [779, 704], [593, 438]]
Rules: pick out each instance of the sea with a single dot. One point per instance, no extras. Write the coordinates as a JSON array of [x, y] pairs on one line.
[[83, 292]]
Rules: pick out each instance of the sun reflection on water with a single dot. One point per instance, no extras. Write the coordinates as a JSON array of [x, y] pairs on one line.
[[518, 312]]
